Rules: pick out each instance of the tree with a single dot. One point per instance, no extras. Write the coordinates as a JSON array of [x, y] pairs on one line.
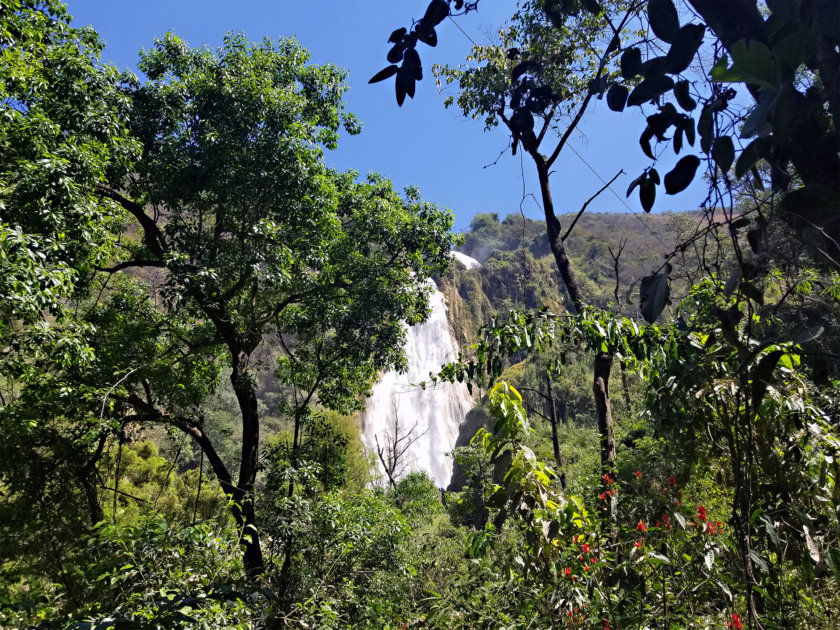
[[228, 232], [537, 82], [257, 238], [62, 134]]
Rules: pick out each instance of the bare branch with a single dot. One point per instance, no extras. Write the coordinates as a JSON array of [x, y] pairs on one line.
[[588, 201]]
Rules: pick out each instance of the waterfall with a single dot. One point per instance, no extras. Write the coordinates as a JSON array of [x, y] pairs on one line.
[[435, 414]]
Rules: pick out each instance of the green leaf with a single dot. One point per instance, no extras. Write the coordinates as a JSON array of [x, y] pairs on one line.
[[681, 175], [649, 89], [793, 50], [723, 153], [617, 97], [813, 548], [752, 62], [663, 19], [760, 562], [750, 156]]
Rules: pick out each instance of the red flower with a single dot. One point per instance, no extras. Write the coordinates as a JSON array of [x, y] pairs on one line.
[[712, 528], [701, 512], [603, 497], [638, 544], [664, 490], [567, 571], [641, 527], [607, 479], [585, 548], [638, 473], [672, 481], [736, 622], [586, 567], [677, 503]]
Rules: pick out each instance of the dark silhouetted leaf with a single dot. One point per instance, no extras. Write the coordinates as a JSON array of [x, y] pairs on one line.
[[681, 175], [631, 63], [685, 46], [597, 86], [663, 18], [649, 89], [617, 97], [404, 78], [723, 153], [644, 141], [396, 52], [655, 66], [654, 176], [683, 97], [654, 293], [436, 12], [383, 74], [593, 6], [647, 194], [750, 156], [689, 131], [635, 183], [523, 68], [522, 120], [397, 35], [427, 34], [412, 64], [678, 140], [705, 126]]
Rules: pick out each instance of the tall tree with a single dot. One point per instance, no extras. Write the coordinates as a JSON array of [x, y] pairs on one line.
[[62, 134], [538, 83], [258, 238]]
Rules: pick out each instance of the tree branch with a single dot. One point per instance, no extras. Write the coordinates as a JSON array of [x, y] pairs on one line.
[[588, 201]]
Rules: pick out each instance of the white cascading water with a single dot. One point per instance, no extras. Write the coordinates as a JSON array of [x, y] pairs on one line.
[[436, 413]]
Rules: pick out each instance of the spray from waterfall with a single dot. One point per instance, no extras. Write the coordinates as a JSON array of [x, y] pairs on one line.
[[432, 416]]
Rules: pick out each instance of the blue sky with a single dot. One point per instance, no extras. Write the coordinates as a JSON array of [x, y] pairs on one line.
[[421, 143]]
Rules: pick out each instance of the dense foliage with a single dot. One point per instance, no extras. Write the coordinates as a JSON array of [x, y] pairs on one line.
[[194, 306]]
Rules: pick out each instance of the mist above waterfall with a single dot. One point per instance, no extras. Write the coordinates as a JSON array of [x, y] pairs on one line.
[[433, 415]]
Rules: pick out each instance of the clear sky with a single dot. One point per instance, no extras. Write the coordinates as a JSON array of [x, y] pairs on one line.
[[421, 143]]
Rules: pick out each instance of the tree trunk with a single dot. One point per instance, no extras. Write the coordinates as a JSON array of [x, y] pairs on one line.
[[242, 495], [601, 390], [555, 442], [603, 360]]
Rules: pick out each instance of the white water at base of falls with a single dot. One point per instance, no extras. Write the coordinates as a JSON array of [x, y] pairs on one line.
[[435, 414]]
